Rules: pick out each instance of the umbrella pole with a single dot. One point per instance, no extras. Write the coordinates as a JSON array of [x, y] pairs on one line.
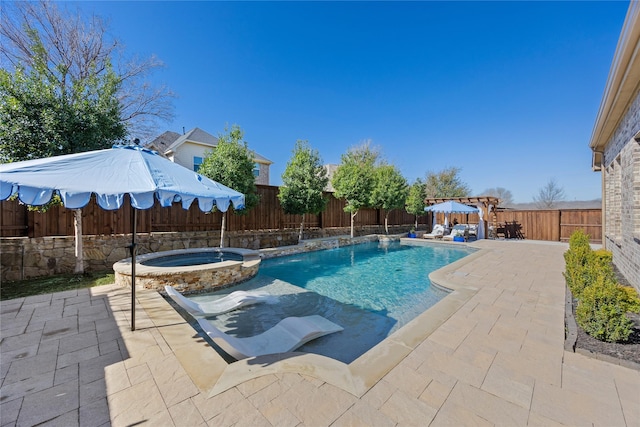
[[134, 217]]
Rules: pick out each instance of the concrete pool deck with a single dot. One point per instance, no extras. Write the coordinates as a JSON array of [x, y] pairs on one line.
[[494, 355]]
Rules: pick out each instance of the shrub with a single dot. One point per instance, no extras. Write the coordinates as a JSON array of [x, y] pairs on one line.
[[603, 256], [578, 239], [598, 263], [578, 258], [602, 303], [631, 299], [602, 309]]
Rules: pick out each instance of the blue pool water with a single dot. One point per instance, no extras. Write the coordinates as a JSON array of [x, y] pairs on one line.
[[192, 258], [370, 289]]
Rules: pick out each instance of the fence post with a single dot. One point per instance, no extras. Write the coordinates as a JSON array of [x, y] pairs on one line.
[[559, 225], [30, 223]]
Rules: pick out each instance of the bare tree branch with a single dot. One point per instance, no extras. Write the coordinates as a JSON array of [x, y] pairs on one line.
[[549, 195], [77, 48]]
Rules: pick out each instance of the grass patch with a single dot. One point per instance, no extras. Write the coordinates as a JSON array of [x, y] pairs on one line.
[[59, 283]]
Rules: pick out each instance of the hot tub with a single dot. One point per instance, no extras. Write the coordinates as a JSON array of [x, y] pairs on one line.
[[190, 270]]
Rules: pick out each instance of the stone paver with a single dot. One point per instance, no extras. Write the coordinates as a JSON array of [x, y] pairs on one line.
[[496, 358]]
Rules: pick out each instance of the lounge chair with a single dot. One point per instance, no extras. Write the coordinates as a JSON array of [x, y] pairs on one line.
[[461, 230], [225, 304], [436, 233], [289, 334]]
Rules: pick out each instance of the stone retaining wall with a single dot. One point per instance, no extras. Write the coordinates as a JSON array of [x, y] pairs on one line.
[[24, 258], [319, 244]]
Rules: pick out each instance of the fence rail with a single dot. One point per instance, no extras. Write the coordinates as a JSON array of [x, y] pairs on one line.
[[17, 221]]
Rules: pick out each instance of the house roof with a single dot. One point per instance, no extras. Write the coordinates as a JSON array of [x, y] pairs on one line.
[[195, 135], [261, 159], [162, 142], [622, 85], [170, 141]]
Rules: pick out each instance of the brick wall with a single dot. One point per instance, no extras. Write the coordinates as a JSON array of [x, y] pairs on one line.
[[622, 195], [263, 177]]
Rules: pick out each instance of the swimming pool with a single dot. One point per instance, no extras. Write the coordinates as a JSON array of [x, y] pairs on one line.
[[371, 290], [187, 258]]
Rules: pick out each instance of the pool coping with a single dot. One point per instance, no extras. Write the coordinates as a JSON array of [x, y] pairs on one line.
[[250, 257], [211, 373]]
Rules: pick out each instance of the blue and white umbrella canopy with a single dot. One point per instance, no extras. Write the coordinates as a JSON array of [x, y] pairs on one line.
[[449, 207], [110, 174]]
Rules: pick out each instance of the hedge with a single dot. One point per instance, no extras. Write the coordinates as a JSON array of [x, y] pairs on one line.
[[603, 304]]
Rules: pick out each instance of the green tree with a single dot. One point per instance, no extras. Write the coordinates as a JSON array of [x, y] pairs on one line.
[[40, 119], [446, 183], [415, 200], [304, 181], [389, 191], [354, 179], [231, 163]]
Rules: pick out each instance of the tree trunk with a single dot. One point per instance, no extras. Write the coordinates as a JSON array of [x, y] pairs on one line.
[[416, 222], [353, 215], [224, 217], [77, 226], [386, 222], [301, 228]]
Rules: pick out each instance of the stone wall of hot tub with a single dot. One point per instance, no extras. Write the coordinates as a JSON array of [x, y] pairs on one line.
[[190, 278]]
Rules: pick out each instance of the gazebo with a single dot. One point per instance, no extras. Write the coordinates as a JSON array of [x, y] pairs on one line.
[[486, 204]]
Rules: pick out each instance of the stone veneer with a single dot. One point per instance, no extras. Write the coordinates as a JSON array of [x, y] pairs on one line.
[[187, 279], [24, 258], [621, 169], [320, 244]]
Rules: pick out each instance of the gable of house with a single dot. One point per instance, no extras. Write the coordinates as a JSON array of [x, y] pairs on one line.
[[190, 149], [162, 142]]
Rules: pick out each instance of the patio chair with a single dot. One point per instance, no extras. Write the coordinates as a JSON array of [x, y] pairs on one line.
[[458, 230], [436, 233], [233, 301], [289, 334]]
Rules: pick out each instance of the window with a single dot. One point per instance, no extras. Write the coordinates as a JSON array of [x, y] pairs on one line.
[[197, 161], [256, 169]]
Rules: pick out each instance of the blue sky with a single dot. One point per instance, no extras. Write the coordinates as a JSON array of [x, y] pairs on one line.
[[506, 91]]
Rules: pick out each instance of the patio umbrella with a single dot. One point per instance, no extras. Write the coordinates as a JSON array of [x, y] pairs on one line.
[[450, 206], [110, 174]]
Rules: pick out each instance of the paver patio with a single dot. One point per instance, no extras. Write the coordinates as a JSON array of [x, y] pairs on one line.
[[70, 358]]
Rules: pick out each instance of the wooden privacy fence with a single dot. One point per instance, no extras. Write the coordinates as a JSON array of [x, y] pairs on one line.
[[555, 225], [16, 220]]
